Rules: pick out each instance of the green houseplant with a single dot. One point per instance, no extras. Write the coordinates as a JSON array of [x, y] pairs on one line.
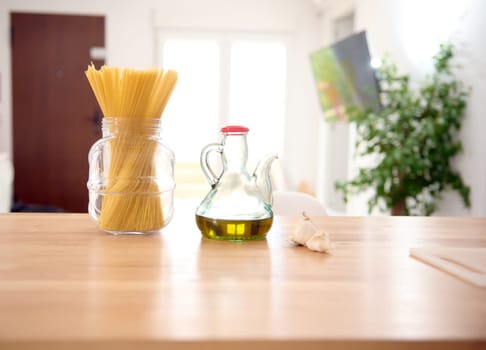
[[412, 140]]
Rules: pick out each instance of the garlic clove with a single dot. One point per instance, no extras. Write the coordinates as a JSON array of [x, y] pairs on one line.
[[319, 242], [306, 233], [304, 230]]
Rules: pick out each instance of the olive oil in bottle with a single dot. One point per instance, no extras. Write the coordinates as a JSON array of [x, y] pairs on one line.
[[234, 230], [238, 207]]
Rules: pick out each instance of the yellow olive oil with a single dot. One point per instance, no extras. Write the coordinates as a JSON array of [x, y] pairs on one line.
[[234, 230]]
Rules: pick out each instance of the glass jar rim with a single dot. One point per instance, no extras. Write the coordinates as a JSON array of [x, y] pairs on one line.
[[131, 125]]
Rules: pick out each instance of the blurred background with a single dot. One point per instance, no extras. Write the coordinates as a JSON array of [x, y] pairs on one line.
[[240, 62]]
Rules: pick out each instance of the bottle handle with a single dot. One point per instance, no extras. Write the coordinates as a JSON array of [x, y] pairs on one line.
[[206, 168]]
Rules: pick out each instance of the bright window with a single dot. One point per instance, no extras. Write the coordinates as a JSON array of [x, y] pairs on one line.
[[192, 111], [223, 80], [257, 93]]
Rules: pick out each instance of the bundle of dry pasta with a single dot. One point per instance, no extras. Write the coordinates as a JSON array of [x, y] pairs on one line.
[[133, 100]]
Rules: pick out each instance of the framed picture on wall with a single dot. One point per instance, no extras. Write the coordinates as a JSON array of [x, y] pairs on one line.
[[344, 77]]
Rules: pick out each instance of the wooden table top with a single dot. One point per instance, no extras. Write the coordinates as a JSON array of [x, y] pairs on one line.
[[64, 284]]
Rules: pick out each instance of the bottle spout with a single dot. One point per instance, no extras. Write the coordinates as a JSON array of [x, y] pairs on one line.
[[262, 177]]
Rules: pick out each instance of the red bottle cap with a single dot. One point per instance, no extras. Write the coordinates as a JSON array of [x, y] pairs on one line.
[[235, 129]]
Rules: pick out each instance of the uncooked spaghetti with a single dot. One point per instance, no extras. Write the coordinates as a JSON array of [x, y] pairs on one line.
[[136, 98]]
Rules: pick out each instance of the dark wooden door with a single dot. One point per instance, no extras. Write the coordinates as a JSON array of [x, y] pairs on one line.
[[54, 111]]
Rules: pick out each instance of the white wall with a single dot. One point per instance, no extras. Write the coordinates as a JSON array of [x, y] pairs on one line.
[[410, 30], [334, 149], [130, 41]]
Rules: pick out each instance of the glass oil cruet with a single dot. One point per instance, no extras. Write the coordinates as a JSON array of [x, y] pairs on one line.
[[239, 205]]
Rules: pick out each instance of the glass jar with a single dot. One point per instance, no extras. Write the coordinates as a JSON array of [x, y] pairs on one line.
[[131, 177]]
